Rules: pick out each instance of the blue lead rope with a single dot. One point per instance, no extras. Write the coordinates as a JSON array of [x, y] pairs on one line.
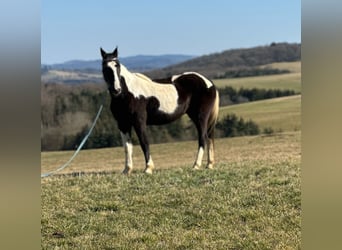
[[79, 147]]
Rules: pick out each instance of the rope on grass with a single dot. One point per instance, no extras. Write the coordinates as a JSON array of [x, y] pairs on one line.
[[79, 147]]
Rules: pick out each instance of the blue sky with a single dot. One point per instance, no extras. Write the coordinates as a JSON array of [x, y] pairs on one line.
[[76, 29]]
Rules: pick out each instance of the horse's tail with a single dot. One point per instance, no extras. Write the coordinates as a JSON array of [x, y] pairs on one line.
[[213, 117]]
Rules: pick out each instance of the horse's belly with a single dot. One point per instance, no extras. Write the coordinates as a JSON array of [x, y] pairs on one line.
[[157, 116], [160, 118]]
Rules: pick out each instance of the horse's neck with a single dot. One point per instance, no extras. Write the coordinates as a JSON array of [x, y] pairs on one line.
[[129, 77]]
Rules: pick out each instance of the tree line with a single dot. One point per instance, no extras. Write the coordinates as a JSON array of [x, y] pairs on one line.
[[253, 71], [230, 95]]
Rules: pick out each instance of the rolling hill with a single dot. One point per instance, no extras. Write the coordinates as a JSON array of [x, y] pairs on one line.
[[280, 114], [259, 60], [219, 64], [81, 71], [135, 63]]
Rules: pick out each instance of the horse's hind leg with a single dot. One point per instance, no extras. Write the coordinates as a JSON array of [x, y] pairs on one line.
[[202, 137], [210, 149]]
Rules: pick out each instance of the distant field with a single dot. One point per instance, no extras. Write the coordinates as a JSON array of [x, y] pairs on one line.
[[293, 67], [61, 75], [250, 201], [291, 81], [282, 114]]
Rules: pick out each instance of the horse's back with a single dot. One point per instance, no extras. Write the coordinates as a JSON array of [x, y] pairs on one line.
[[194, 84], [194, 78], [187, 79], [163, 80]]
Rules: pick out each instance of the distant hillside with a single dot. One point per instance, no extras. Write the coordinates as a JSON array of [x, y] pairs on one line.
[[135, 63], [226, 63], [71, 76], [80, 71]]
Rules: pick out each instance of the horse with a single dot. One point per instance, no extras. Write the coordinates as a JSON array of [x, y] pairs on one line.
[[138, 101]]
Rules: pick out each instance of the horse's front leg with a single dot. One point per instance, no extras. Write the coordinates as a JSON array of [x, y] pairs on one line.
[[128, 146], [140, 129]]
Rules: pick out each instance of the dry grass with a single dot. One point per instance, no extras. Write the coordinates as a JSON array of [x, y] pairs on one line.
[[173, 155]]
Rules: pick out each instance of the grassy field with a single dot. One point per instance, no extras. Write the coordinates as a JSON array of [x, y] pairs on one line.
[[291, 81], [293, 67], [250, 201], [280, 114]]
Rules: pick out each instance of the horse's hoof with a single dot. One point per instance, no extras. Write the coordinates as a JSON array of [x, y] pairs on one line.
[[210, 166], [148, 171], [127, 171], [195, 167]]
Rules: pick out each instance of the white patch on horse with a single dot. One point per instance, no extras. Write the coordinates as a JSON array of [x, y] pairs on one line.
[[210, 153], [141, 85], [199, 158], [127, 143], [174, 77], [112, 65], [206, 81], [150, 161]]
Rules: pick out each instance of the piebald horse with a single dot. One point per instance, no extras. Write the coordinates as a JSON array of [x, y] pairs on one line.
[[138, 101]]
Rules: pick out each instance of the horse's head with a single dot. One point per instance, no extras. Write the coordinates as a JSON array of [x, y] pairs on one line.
[[111, 71]]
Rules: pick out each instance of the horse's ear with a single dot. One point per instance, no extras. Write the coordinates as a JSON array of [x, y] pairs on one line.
[[103, 53], [115, 52]]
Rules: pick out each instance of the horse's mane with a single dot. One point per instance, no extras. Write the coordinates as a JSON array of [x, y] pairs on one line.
[[143, 77]]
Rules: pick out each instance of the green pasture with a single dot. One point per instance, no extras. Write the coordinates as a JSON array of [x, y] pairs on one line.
[[251, 200], [290, 81], [280, 114]]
